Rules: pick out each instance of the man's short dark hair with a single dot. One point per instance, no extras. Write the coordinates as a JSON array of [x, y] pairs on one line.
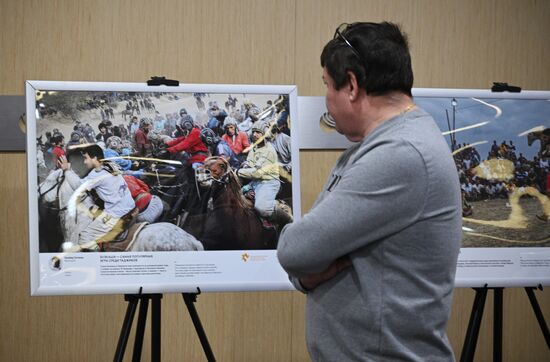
[[378, 55], [93, 151]]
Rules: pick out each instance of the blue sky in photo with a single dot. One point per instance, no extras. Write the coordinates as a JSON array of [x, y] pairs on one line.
[[518, 115]]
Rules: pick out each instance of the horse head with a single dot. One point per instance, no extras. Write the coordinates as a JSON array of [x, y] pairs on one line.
[[218, 168], [224, 183], [63, 194], [50, 190], [54, 195], [231, 223]]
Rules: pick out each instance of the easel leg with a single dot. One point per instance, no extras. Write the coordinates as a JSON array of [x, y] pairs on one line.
[[189, 300], [469, 348], [539, 315], [497, 325], [126, 327], [140, 330], [155, 327]]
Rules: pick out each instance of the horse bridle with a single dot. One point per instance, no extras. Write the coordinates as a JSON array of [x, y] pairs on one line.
[[223, 179], [60, 179]]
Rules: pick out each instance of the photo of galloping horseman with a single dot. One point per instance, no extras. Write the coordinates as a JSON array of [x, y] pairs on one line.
[[193, 177]]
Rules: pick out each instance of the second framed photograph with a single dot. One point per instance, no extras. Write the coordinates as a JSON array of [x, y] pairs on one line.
[[500, 142]]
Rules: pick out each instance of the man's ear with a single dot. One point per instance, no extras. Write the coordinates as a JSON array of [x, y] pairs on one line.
[[353, 86]]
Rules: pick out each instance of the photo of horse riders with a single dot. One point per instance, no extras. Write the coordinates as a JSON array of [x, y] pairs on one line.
[[159, 171]]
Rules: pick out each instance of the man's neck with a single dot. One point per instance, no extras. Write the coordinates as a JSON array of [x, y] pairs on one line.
[[379, 109]]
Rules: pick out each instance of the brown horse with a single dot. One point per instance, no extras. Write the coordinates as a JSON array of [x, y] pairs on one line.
[[231, 222]]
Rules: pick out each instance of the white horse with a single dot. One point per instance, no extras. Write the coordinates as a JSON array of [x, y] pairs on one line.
[[57, 190]]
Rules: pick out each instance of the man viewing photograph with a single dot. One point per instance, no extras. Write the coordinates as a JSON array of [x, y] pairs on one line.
[[377, 252]]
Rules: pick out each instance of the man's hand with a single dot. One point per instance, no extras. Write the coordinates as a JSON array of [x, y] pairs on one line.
[[63, 163], [312, 281]]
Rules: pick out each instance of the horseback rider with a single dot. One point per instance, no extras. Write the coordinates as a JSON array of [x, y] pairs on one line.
[[261, 168], [134, 126], [250, 117], [283, 116], [219, 147], [77, 138], [104, 131], [159, 123], [179, 129], [105, 180], [170, 124], [216, 115], [281, 143], [56, 151], [191, 151], [123, 131], [237, 140], [114, 148], [188, 146], [150, 206], [142, 142], [89, 133]]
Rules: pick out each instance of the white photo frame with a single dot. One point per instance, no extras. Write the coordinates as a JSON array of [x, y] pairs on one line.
[[76, 273]]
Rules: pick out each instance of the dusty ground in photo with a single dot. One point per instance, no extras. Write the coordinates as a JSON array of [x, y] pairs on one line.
[[536, 233]]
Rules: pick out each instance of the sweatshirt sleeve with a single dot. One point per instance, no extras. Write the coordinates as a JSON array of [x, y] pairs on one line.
[[181, 146], [175, 141], [370, 200], [244, 139], [124, 164], [141, 138], [188, 142]]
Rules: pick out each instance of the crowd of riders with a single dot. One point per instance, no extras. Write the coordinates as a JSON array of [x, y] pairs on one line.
[[254, 139]]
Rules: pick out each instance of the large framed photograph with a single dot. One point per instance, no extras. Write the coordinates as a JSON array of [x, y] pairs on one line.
[[501, 147], [168, 189]]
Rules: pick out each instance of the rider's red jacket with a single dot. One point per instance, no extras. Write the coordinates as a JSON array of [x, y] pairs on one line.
[[191, 144], [139, 191]]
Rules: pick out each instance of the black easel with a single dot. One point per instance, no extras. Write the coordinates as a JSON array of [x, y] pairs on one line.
[[133, 299], [470, 341]]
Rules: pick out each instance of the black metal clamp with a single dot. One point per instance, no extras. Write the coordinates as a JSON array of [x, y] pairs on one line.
[[156, 80], [504, 87]]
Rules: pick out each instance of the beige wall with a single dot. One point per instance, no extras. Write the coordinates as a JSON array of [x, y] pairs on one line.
[[455, 44]]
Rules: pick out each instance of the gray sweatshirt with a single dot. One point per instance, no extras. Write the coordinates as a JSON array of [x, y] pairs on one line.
[[392, 204]]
